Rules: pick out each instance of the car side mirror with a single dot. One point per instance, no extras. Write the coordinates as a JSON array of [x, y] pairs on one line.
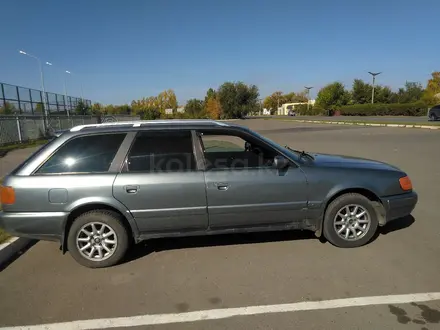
[[280, 162]]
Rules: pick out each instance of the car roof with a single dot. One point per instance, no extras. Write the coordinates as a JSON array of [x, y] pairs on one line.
[[148, 124]]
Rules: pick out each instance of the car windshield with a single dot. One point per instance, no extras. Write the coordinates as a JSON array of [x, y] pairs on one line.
[[292, 153]]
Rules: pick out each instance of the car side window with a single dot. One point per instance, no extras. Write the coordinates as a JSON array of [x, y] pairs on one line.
[[228, 151], [84, 154], [164, 151]]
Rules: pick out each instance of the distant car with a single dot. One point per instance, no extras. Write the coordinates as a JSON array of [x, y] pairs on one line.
[[98, 188], [434, 113], [291, 113]]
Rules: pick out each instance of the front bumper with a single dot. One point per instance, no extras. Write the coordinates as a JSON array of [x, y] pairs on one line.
[[36, 225], [399, 206]]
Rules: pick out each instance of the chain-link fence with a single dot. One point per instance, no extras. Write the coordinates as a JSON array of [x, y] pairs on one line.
[[21, 100], [22, 128]]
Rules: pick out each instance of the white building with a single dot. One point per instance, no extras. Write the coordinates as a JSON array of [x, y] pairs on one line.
[[284, 109]]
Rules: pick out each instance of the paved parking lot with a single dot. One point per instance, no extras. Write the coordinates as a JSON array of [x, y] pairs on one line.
[[165, 280]]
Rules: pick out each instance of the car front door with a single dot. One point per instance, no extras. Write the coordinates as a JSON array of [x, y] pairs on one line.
[[161, 185], [243, 187]]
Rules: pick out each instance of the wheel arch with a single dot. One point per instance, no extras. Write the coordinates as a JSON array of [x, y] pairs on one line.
[[127, 219], [366, 192]]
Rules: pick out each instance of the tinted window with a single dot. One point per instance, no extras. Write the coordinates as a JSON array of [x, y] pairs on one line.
[[92, 153], [230, 151], [217, 143], [162, 151]]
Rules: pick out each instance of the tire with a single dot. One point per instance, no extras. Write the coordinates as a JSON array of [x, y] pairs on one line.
[[333, 221], [113, 230], [432, 117]]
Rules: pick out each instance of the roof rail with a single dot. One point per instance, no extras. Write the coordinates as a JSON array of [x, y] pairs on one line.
[[140, 123]]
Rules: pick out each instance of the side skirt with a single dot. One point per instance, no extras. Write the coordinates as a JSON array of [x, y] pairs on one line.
[[304, 225]]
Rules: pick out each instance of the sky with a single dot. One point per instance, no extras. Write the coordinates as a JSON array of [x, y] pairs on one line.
[[125, 50]]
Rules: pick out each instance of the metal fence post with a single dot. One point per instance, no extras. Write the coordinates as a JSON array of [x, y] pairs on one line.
[[32, 103], [18, 99], [4, 96], [18, 129]]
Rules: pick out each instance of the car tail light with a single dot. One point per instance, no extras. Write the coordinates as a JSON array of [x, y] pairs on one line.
[[405, 183], [7, 195]]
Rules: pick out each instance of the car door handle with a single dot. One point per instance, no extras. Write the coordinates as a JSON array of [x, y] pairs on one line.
[[222, 185], [131, 189]]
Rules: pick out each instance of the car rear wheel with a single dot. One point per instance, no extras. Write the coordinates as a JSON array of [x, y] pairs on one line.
[[432, 117], [98, 239], [350, 221]]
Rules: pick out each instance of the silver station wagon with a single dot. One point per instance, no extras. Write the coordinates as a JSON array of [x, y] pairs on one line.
[[97, 189]]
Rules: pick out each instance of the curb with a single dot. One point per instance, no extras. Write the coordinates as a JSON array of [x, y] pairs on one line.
[[12, 249], [362, 124]]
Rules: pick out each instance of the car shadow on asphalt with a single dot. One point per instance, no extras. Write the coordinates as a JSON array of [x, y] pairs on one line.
[[396, 225], [176, 243]]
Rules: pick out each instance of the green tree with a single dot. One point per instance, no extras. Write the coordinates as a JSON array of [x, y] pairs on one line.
[[82, 108], [237, 99], [333, 96], [194, 108], [211, 93], [146, 108], [272, 101], [97, 109], [412, 92], [384, 94], [166, 100], [432, 91], [361, 92], [123, 109], [7, 109]]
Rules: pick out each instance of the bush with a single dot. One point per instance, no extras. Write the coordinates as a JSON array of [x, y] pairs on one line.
[[150, 114], [301, 109], [392, 109], [176, 115]]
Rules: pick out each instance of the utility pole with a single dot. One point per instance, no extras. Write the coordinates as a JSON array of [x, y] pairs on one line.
[[308, 96], [374, 74]]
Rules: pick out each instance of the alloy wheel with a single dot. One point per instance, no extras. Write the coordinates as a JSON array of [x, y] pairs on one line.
[[352, 222], [96, 241]]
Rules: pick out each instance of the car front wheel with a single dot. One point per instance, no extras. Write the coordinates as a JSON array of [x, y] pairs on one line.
[[432, 117], [350, 221], [98, 239]]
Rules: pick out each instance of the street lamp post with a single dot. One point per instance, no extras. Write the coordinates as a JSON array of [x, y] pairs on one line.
[[80, 83], [308, 96], [65, 92], [44, 100], [374, 74]]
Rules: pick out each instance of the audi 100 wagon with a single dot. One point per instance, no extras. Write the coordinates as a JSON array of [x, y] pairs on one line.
[[97, 189]]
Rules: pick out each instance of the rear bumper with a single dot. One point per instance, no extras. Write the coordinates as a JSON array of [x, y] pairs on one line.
[[399, 206], [37, 225]]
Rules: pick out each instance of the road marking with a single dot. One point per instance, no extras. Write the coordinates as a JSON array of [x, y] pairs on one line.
[[215, 314]]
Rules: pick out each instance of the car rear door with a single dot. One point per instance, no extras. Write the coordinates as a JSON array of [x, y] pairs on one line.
[[161, 185], [244, 189]]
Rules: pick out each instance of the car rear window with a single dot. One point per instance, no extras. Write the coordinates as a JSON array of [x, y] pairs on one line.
[[34, 154], [84, 154]]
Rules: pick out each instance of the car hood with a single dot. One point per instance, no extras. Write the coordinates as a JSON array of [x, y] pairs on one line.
[[326, 160]]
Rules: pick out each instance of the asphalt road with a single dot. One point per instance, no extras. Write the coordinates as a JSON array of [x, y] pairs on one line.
[[179, 276], [381, 119]]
